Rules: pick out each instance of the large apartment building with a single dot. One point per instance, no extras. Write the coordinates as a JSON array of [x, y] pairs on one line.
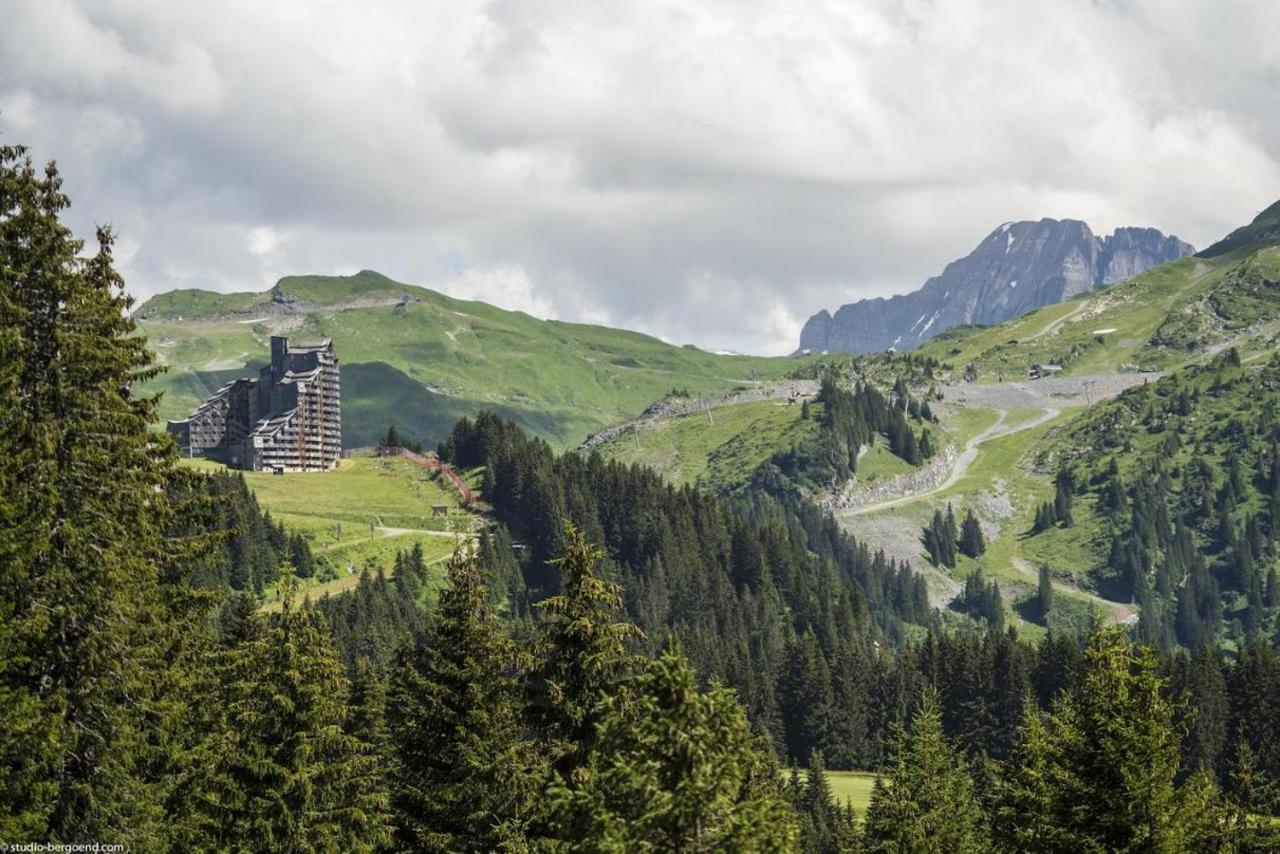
[[288, 418]]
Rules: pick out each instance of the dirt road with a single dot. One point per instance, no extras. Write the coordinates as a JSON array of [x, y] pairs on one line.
[[397, 532], [964, 459], [1117, 612], [1056, 324]]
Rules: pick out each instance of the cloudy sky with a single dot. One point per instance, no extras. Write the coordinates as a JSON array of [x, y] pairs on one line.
[[710, 172]]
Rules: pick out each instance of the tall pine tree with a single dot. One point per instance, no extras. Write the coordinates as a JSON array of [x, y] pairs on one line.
[[674, 770], [972, 543], [464, 776], [282, 773], [928, 801], [1097, 772], [582, 653], [88, 636]]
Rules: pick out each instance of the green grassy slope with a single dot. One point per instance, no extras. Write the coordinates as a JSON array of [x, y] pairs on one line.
[[313, 290], [422, 363], [715, 450], [359, 515], [721, 451], [852, 787], [1163, 318]]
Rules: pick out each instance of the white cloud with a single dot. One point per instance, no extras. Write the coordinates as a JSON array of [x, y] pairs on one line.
[[507, 286], [263, 240], [599, 160], [17, 110]]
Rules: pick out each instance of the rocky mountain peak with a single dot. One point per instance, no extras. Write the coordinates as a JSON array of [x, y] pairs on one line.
[[1018, 267]]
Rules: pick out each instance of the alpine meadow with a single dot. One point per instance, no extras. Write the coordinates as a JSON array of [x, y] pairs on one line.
[[567, 532]]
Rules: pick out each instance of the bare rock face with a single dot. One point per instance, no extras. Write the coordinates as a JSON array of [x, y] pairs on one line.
[[1131, 251], [1018, 267]]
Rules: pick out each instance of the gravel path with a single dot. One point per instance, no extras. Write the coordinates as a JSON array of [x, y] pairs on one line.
[[396, 532], [897, 534], [1050, 395], [1117, 612], [1054, 325], [1051, 391], [965, 458]]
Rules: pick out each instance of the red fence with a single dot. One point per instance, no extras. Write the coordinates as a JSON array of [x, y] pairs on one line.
[[433, 464]]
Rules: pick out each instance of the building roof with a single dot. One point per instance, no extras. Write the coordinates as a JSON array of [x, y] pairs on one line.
[[296, 376], [311, 346], [271, 426]]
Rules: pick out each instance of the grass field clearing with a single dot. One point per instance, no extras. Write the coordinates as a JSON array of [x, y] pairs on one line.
[[850, 787], [359, 515]]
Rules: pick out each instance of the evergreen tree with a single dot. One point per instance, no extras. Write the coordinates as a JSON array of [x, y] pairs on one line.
[[463, 775], [282, 774], [928, 802], [939, 538], [982, 599], [1024, 815], [817, 803], [238, 619], [1203, 713], [367, 714], [926, 445], [582, 654], [673, 769], [929, 539], [972, 542], [300, 556], [1062, 498], [1201, 820], [1047, 517], [825, 826], [92, 648], [948, 536], [1097, 773], [1044, 594], [1253, 803]]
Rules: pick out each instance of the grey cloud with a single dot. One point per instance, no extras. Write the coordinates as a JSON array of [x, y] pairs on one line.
[[706, 171]]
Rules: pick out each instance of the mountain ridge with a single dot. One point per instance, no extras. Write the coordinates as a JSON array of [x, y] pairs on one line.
[[1018, 267], [420, 359], [289, 295]]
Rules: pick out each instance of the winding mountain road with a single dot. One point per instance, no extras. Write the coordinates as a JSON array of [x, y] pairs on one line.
[[965, 458]]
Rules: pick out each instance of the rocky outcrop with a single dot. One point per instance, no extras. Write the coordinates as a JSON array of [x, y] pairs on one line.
[[1130, 251], [1018, 267]]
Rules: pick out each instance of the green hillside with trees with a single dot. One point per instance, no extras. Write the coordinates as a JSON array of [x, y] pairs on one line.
[[362, 514], [1174, 489], [808, 443]]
